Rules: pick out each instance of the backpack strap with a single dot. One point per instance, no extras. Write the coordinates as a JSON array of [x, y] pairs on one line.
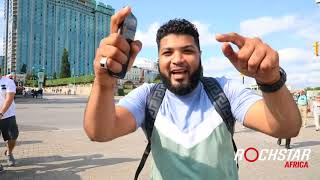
[[154, 100], [221, 103]]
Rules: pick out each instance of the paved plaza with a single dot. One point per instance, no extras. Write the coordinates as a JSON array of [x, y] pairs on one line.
[[52, 146]]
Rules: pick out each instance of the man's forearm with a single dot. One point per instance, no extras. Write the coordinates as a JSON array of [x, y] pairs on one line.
[[284, 110], [8, 101], [100, 116]]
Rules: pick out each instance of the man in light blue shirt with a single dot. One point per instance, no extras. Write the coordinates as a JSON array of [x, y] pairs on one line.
[[190, 139], [303, 107]]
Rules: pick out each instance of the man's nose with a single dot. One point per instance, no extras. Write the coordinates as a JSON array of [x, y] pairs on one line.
[[177, 58]]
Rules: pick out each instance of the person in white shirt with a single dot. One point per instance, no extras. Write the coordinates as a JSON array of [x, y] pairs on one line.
[[316, 112], [8, 124]]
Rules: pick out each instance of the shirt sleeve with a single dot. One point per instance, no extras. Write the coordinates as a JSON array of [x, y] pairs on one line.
[[135, 102], [240, 98], [11, 86]]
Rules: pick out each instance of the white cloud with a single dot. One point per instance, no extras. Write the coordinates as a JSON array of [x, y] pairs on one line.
[[206, 37], [294, 55], [310, 32], [302, 68], [310, 27], [216, 64], [148, 38], [304, 79], [220, 66], [265, 25], [304, 27]]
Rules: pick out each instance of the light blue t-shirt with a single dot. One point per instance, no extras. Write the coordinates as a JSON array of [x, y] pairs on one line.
[[302, 100], [188, 111]]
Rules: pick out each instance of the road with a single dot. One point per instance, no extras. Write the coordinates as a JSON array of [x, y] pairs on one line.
[[52, 113]]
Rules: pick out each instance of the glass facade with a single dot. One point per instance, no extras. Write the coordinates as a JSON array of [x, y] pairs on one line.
[[44, 28]]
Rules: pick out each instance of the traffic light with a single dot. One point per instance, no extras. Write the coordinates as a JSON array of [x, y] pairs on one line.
[[316, 48]]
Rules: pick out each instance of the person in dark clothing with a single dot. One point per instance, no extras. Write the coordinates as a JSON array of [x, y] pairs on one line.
[[287, 142]]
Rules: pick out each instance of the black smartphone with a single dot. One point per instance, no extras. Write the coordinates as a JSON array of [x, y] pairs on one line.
[[128, 29]]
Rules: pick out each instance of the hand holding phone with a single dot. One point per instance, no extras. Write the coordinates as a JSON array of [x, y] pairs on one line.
[[127, 29]]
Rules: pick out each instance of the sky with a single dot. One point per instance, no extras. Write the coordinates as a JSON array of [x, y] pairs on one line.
[[288, 26]]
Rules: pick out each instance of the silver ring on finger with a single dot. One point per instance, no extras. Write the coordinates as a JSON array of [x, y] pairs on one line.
[[103, 62]]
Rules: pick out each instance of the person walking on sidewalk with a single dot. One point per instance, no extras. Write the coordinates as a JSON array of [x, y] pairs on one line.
[[8, 124], [287, 145], [316, 112], [303, 107], [189, 138]]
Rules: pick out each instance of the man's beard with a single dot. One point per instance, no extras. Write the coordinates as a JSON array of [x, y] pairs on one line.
[[183, 89]]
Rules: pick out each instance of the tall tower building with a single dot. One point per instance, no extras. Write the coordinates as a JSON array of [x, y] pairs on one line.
[[37, 31]]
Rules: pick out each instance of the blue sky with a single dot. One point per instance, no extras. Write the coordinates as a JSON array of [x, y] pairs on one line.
[[289, 26]]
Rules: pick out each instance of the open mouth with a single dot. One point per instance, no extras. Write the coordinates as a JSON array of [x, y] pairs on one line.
[[179, 73]]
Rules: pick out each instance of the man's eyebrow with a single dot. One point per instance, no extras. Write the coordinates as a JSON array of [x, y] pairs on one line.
[[166, 48], [183, 47], [188, 46]]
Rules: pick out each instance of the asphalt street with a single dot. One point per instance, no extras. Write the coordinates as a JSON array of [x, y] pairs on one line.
[[51, 113]]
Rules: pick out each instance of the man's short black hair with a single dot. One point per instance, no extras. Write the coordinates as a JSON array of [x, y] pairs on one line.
[[178, 26]]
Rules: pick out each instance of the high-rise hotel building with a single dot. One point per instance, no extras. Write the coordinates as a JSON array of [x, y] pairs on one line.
[[37, 31]]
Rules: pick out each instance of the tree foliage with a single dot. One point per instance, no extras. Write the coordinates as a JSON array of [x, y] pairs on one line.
[[65, 65], [54, 75], [23, 69]]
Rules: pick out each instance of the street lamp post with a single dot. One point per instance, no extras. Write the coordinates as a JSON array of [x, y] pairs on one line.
[[74, 84], [33, 74], [41, 77], [74, 80]]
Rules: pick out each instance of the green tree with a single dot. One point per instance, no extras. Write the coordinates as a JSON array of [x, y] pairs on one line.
[[157, 79], [120, 92], [45, 80], [23, 69], [29, 76], [65, 65], [54, 75]]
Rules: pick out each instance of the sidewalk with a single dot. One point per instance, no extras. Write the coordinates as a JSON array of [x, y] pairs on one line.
[[69, 155]]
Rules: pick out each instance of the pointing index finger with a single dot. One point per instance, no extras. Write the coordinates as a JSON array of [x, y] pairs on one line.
[[233, 38]]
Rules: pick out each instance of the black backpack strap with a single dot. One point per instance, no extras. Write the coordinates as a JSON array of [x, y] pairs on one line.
[[154, 100], [221, 103], [143, 160]]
